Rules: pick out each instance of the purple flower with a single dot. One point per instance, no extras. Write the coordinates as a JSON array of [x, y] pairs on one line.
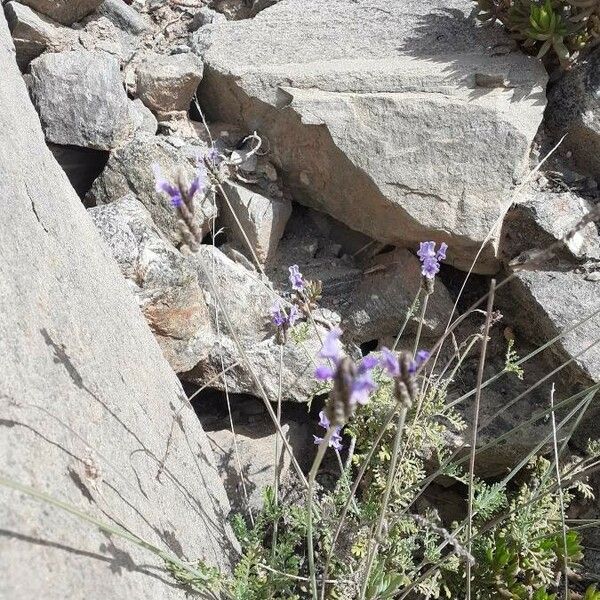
[[296, 278], [324, 373], [166, 187], [336, 439], [389, 362], [213, 156], [282, 319], [175, 192], [332, 347], [421, 358], [199, 182], [362, 383], [430, 259], [426, 250], [441, 253]]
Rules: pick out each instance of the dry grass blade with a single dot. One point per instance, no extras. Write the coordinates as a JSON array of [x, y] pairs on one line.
[[482, 358]]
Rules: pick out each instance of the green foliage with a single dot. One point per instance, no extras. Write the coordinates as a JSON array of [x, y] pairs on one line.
[[562, 27], [511, 360], [518, 545]]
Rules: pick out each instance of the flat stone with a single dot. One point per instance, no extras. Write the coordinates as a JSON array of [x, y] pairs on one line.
[[80, 99], [544, 218], [385, 294], [92, 414], [64, 11], [413, 127], [166, 84], [34, 34], [262, 219]]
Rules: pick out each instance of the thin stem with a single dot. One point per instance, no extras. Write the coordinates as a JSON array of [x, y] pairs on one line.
[[359, 476], [309, 510], [420, 325], [276, 483], [488, 321], [409, 314], [560, 494], [386, 498]]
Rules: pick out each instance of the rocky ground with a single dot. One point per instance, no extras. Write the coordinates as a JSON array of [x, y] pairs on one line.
[[381, 124]]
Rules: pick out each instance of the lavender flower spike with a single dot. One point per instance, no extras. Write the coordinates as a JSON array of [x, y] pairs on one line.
[[332, 347], [389, 362], [431, 259], [166, 187], [296, 278]]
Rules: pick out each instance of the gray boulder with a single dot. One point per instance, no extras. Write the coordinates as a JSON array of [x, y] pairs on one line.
[[142, 118], [545, 303], [64, 11], [80, 99], [262, 219], [129, 169], [34, 34], [88, 401], [247, 299], [166, 84], [165, 283], [384, 295], [544, 218], [401, 119], [574, 109]]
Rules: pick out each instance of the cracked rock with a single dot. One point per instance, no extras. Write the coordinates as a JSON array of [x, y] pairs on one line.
[[80, 99], [386, 127]]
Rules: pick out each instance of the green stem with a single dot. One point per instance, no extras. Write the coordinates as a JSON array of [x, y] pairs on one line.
[[386, 498], [309, 510]]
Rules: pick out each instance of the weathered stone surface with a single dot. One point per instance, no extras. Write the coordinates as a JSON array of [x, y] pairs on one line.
[[142, 118], [34, 34], [544, 218], [123, 16], [574, 109], [64, 11], [101, 34], [165, 283], [80, 99], [407, 129], [166, 84], [386, 291], [254, 446], [247, 300], [87, 398], [551, 301], [129, 169], [545, 303], [205, 16], [262, 219]]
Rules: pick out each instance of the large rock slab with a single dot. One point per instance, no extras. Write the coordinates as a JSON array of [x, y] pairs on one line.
[[87, 399], [401, 119], [81, 100], [64, 11], [574, 109]]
